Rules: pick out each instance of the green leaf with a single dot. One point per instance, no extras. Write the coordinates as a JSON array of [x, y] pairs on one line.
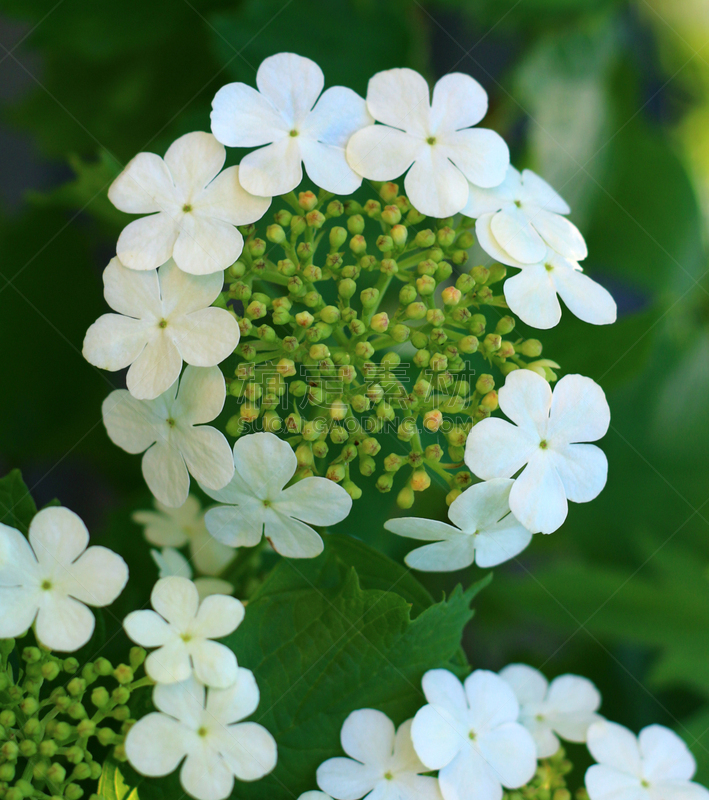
[[112, 786], [16, 504]]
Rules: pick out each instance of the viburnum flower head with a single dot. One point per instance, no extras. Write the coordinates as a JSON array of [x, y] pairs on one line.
[[547, 437], [257, 504], [176, 527], [483, 530], [297, 128], [182, 629], [164, 317], [216, 745], [522, 216], [431, 138], [171, 562], [193, 208], [49, 580], [566, 707], [171, 432], [382, 761], [656, 765], [470, 734]]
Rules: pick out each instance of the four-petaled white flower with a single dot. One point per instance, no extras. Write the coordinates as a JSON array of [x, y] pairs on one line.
[[435, 136], [486, 531], [286, 115], [383, 761], [193, 209], [523, 217], [164, 318], [176, 527], [257, 503], [170, 429], [171, 562], [566, 707], [47, 580], [547, 436], [469, 732], [182, 629], [653, 766], [218, 747]]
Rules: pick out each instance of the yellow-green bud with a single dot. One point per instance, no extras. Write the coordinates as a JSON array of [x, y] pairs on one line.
[[315, 219], [416, 311], [335, 209], [355, 224], [532, 348], [420, 480], [484, 384], [346, 288], [407, 294], [380, 322], [399, 235], [505, 325], [468, 344], [425, 285], [385, 482]]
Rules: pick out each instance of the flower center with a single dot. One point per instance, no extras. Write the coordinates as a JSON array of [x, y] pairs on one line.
[[171, 422], [294, 132], [46, 585], [266, 503], [518, 203], [388, 776], [186, 208], [162, 323], [186, 637], [431, 140], [548, 267], [472, 736], [543, 444], [202, 731], [645, 784], [539, 718]]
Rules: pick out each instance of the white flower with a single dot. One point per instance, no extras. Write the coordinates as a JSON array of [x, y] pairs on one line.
[[471, 735], [170, 429], [164, 317], [171, 562], [284, 115], [259, 505], [546, 437], [47, 580], [176, 527], [486, 532], [522, 218], [383, 762], [193, 209], [216, 749], [435, 137], [183, 629], [654, 766], [565, 707], [314, 795]]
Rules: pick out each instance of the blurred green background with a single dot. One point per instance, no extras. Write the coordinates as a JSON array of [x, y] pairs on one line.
[[607, 99]]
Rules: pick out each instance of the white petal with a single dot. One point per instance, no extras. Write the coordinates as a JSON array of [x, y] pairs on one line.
[[265, 462], [436, 736], [237, 702], [511, 753], [207, 455], [113, 341], [135, 294], [193, 160], [488, 242], [147, 628], [430, 530], [579, 411], [497, 449], [205, 776], [480, 154], [346, 779], [63, 623], [252, 751], [434, 186], [206, 245], [292, 83], [147, 242], [317, 501], [18, 564], [201, 395], [58, 536], [156, 744], [97, 577], [241, 117], [205, 338], [678, 790], [538, 499], [443, 690], [481, 505], [528, 684], [230, 525], [459, 101], [214, 664], [166, 527], [514, 234], [226, 199], [208, 555], [487, 201], [209, 586], [165, 473], [405, 758], [526, 399], [338, 114], [575, 700], [155, 369], [184, 701], [608, 783], [559, 234], [537, 191], [400, 97], [614, 746], [583, 469], [130, 423], [413, 787], [545, 739], [457, 553], [368, 735], [171, 562], [18, 608], [176, 600], [665, 756], [532, 296], [491, 699], [144, 186], [292, 538], [468, 777], [381, 153], [585, 298], [183, 293], [170, 663], [274, 169], [501, 542], [327, 167], [218, 616]]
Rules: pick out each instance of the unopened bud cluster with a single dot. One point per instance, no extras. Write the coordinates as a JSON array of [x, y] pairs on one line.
[[359, 319], [55, 715], [549, 782]]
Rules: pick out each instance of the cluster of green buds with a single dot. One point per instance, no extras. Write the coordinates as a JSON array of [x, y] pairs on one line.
[[58, 721], [358, 320], [549, 782]]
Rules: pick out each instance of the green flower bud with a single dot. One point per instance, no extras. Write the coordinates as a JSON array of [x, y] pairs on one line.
[[283, 217], [532, 348], [391, 215], [393, 462], [379, 322], [425, 285], [407, 294], [435, 316], [459, 257], [48, 748], [360, 403], [385, 411], [62, 731], [505, 325], [298, 388], [352, 207], [32, 727], [399, 234], [388, 192], [73, 791], [335, 209], [414, 217], [275, 234], [346, 288], [237, 269], [385, 243], [497, 273], [364, 350], [400, 333], [29, 706], [56, 773], [425, 239], [297, 225], [355, 224], [358, 245], [70, 665], [445, 236], [426, 267], [385, 482], [315, 219], [25, 787], [465, 240], [422, 358], [352, 490], [31, 654], [312, 299], [480, 274], [477, 324], [28, 748], [438, 362], [257, 247], [367, 465], [407, 429], [405, 498], [312, 273], [468, 344], [443, 272], [105, 736], [484, 384], [416, 310], [461, 315], [492, 342], [7, 773], [240, 291], [307, 200], [81, 772], [74, 754], [336, 472], [373, 209]]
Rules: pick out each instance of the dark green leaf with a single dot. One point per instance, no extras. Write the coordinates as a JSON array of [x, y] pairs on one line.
[[16, 504]]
